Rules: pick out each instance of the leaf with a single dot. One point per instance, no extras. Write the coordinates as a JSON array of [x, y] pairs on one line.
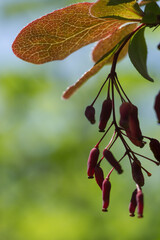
[[142, 3], [72, 89], [151, 13], [58, 34], [125, 9], [138, 53], [105, 45]]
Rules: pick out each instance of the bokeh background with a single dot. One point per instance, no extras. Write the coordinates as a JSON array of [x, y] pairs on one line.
[[45, 142]]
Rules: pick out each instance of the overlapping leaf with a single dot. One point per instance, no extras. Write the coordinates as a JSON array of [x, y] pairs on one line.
[[105, 45], [58, 34], [107, 48], [127, 9]]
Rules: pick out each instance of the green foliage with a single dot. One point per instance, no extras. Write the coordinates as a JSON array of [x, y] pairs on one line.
[[152, 14], [116, 9], [138, 53]]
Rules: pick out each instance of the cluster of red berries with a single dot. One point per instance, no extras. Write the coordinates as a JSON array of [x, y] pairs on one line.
[[128, 128]]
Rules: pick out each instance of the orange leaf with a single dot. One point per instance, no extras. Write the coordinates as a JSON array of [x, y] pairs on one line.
[[72, 89], [58, 34], [105, 45]]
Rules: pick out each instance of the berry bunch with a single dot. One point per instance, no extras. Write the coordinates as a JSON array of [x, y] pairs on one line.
[[127, 128]]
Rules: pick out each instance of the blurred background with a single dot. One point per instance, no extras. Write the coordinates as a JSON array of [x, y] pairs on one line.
[[45, 142]]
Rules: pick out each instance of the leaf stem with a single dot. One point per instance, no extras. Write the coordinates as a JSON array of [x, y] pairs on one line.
[[116, 55]]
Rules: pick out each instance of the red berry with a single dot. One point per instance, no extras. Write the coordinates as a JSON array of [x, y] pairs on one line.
[[92, 162], [99, 176], [137, 173], [90, 114], [111, 159], [125, 109], [105, 114], [155, 148], [106, 187], [133, 203], [134, 132], [140, 203]]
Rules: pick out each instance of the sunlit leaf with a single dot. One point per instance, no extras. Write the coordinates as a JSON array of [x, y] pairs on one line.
[[58, 34], [138, 53], [105, 45], [142, 3], [72, 89], [127, 9]]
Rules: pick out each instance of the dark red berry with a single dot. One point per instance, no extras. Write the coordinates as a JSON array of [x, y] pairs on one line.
[[106, 187], [90, 114], [111, 159], [133, 203], [137, 173], [140, 203], [92, 162], [99, 176], [134, 132], [155, 148], [125, 109], [135, 141], [105, 114]]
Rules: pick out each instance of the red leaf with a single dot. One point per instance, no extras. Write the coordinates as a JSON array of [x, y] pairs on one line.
[[58, 34]]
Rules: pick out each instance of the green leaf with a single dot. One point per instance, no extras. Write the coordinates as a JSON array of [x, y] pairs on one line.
[[151, 14], [138, 53], [121, 9]]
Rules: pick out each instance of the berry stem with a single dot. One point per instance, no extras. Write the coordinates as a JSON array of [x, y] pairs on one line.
[[96, 146], [113, 167], [157, 163], [121, 88], [100, 91]]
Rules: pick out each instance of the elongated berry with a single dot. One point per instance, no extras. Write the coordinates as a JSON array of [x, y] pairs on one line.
[[92, 162], [125, 109], [137, 173], [90, 114], [134, 132], [99, 176], [105, 114], [106, 188], [111, 159], [155, 148], [135, 141], [140, 203], [157, 106], [133, 203]]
